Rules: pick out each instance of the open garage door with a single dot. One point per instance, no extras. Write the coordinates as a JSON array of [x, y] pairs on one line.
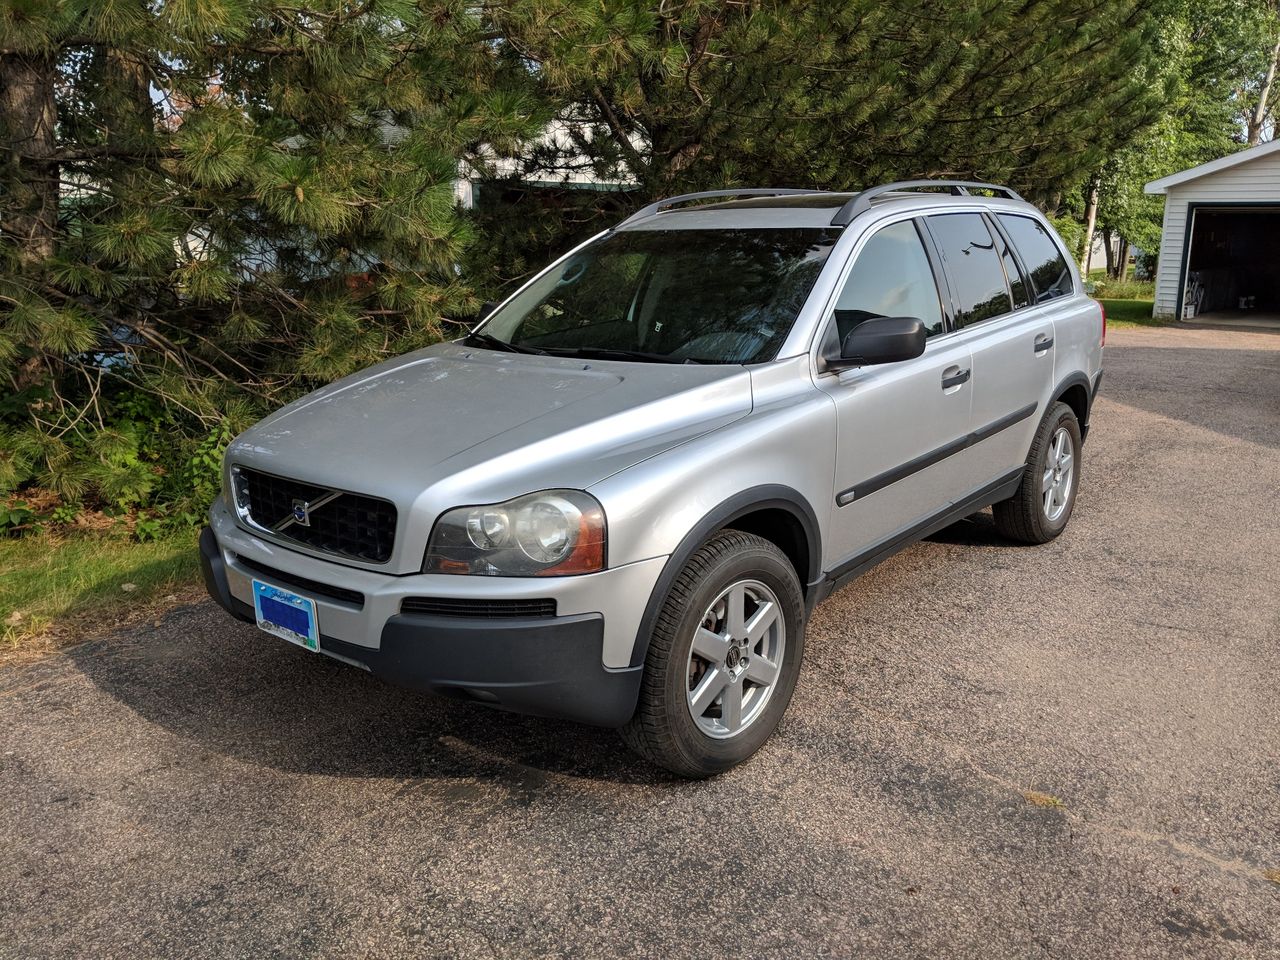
[[1233, 264]]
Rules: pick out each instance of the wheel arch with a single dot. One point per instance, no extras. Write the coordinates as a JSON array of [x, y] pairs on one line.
[[1073, 390], [776, 512]]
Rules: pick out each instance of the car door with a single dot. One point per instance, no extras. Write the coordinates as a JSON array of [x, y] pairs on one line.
[[1010, 340], [895, 422]]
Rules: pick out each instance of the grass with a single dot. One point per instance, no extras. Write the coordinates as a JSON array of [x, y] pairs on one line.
[[1038, 799], [1128, 302], [1126, 288], [1130, 313], [55, 589]]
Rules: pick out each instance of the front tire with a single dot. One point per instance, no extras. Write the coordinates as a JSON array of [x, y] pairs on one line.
[[1039, 511], [723, 658]]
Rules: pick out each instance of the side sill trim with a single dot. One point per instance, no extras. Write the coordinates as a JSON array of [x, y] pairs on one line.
[[1002, 488], [902, 471]]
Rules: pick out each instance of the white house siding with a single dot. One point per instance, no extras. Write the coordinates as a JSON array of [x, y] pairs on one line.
[[1254, 181]]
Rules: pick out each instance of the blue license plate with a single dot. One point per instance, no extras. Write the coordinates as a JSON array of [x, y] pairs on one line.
[[286, 615]]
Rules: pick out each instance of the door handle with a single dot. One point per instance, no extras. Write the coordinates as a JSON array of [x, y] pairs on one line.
[[955, 379], [1042, 343]]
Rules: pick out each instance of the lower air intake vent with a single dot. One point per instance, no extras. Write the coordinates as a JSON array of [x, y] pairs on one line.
[[479, 609]]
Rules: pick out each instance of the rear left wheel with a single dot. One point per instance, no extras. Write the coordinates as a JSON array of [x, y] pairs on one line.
[[1039, 511]]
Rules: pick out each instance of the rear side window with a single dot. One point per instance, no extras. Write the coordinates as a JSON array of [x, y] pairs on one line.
[[1017, 285], [973, 266], [891, 278], [1050, 274]]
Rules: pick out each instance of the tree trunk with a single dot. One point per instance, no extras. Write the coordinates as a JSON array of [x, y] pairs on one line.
[[1111, 254], [129, 115], [1259, 116], [1090, 225], [1122, 259], [28, 118]]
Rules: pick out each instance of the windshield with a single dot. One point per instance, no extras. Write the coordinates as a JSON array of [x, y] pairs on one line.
[[673, 296]]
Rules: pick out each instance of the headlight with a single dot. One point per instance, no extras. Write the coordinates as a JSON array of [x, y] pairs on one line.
[[548, 534]]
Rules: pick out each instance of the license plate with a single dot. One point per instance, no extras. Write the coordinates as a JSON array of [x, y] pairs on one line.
[[286, 615]]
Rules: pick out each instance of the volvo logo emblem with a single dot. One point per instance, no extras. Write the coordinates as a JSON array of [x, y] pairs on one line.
[[303, 510]]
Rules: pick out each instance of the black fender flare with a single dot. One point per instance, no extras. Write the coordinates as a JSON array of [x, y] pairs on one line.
[[1076, 379], [772, 496]]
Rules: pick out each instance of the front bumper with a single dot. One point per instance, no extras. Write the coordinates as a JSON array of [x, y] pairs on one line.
[[550, 666]]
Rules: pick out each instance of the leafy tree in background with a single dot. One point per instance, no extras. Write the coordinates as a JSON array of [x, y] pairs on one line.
[[830, 93], [1262, 91], [208, 205], [1214, 57]]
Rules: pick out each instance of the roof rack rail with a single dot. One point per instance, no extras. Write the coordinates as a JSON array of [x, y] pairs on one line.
[[959, 188], [660, 205]]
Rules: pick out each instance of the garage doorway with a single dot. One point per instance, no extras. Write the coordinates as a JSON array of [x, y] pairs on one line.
[[1233, 266]]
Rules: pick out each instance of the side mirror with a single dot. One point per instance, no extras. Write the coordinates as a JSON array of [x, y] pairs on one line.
[[880, 340], [486, 308]]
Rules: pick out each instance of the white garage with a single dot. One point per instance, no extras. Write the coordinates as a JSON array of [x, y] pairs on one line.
[[1220, 251]]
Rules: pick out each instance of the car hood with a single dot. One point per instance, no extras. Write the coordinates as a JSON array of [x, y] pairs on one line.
[[454, 425]]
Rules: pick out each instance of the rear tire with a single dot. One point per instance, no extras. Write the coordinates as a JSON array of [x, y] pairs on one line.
[[1039, 511], [723, 658]]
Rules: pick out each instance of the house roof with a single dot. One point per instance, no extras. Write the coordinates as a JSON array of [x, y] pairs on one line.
[[1213, 166]]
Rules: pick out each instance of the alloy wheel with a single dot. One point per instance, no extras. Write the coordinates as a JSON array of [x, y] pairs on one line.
[[1059, 474], [735, 660]]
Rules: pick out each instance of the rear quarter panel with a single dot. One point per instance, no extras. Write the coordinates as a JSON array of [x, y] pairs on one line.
[[1077, 339]]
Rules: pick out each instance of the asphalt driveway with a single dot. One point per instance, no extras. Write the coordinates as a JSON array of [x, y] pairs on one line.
[[1069, 751]]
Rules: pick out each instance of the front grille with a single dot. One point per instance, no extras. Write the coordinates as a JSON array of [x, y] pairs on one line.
[[346, 524], [479, 609], [341, 594]]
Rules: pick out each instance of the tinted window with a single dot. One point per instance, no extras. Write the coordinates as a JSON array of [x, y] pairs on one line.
[[1050, 274], [716, 296], [1017, 286], [891, 278], [973, 266]]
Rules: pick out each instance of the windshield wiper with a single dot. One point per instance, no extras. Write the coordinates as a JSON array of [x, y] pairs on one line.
[[612, 353], [600, 353], [477, 339]]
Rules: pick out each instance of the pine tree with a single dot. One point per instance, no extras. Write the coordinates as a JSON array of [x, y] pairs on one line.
[[835, 94], [839, 93], [207, 206]]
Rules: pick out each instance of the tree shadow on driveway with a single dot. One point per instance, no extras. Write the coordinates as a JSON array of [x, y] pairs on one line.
[[233, 690], [1228, 391]]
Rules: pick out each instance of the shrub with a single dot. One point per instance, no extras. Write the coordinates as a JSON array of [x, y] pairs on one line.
[[16, 518], [1127, 289]]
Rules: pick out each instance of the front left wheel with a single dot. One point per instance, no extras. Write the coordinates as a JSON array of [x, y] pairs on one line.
[[723, 658]]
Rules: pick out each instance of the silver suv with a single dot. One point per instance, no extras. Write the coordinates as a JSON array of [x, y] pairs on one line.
[[619, 497]]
